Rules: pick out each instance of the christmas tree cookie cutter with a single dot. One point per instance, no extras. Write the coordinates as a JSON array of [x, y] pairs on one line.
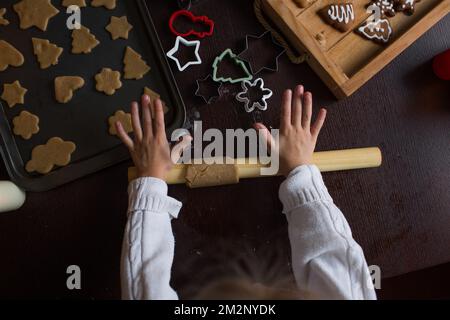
[[237, 61], [250, 103]]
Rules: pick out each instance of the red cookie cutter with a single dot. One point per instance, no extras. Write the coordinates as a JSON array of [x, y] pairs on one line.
[[202, 19]]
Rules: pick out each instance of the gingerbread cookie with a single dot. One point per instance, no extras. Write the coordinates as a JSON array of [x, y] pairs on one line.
[[46, 52], [83, 41], [406, 6], [108, 81], [9, 56], [135, 67], [109, 4], [386, 7], [304, 3], [26, 125], [65, 86], [78, 3], [341, 16], [3, 21], [35, 13], [123, 118], [56, 152], [14, 93], [119, 27], [379, 30], [154, 96]]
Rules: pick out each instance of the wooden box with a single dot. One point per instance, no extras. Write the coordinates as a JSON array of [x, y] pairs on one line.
[[346, 61]]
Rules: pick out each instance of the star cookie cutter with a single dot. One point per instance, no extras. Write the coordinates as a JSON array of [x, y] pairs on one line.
[[205, 87], [250, 103], [204, 20], [237, 61], [247, 56], [187, 43]]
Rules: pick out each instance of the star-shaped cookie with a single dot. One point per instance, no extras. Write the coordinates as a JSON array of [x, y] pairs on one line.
[[119, 27], [35, 13], [108, 81], [14, 93], [79, 3], [109, 4], [3, 21]]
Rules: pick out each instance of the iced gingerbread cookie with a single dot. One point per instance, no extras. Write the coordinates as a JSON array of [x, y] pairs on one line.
[[26, 125], [154, 96], [386, 7], [341, 16], [109, 4], [108, 81], [406, 6], [14, 94], [9, 56], [65, 87], [135, 67], [119, 27], [56, 152], [35, 13], [3, 21], [79, 3], [123, 118], [46, 52], [83, 41]]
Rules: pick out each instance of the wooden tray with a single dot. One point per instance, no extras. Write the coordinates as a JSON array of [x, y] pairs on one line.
[[346, 61]]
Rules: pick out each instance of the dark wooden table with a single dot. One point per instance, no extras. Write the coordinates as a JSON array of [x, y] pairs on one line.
[[399, 213]]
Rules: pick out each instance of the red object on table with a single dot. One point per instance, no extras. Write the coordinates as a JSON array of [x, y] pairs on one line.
[[195, 19], [441, 65]]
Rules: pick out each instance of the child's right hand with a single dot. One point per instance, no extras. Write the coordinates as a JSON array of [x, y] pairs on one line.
[[297, 137]]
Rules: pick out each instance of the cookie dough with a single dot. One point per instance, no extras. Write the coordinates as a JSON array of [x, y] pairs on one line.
[[35, 13], [109, 4], [46, 52], [79, 3], [123, 118], [3, 21], [26, 125], [83, 41], [153, 96], [14, 94], [204, 175], [9, 56], [108, 81], [65, 87], [135, 67], [56, 152], [119, 27], [341, 16]]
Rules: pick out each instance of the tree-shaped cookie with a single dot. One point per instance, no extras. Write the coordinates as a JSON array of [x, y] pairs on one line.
[[26, 125], [35, 13], [83, 41], [108, 81], [119, 27], [135, 67], [65, 87], [14, 93], [229, 68], [9, 56], [3, 21], [78, 3], [108, 4], [154, 96], [46, 52]]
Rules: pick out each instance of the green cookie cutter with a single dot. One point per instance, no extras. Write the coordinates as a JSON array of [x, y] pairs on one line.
[[237, 62]]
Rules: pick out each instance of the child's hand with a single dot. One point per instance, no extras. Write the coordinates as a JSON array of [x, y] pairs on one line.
[[150, 149], [297, 137]]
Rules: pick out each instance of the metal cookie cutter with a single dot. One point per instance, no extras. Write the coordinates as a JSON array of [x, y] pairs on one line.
[[208, 89], [187, 43], [236, 61], [247, 96], [257, 47], [204, 20]]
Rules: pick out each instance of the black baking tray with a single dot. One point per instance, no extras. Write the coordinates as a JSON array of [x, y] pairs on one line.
[[85, 119]]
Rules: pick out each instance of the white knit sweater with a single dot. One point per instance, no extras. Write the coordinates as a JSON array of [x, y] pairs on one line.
[[326, 260]]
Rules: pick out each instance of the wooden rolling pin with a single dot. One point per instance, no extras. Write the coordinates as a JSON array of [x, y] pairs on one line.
[[196, 176]]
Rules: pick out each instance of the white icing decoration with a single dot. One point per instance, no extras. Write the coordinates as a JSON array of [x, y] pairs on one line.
[[379, 30], [341, 13]]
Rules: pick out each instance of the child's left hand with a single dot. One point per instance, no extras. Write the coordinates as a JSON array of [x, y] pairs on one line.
[[150, 149]]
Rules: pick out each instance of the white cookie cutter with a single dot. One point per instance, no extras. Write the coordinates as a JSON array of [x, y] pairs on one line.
[[249, 104], [187, 43]]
